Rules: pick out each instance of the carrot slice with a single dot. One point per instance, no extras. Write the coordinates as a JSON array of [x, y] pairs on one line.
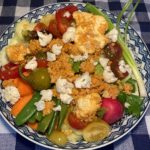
[[33, 126], [23, 87], [19, 105]]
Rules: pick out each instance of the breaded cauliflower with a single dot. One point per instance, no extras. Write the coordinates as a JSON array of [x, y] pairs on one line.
[[16, 53], [87, 106], [90, 30]]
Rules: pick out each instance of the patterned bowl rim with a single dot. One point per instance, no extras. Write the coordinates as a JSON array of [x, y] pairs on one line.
[[99, 146]]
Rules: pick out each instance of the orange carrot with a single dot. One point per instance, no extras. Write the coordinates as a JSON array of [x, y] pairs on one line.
[[19, 105], [23, 87], [33, 126]]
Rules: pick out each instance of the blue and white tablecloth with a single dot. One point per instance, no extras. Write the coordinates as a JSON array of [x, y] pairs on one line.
[[139, 137]]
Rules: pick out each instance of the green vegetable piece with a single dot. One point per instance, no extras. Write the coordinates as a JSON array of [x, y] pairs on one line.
[[76, 66], [62, 114], [43, 125], [29, 35], [99, 69], [126, 6], [38, 115], [41, 55], [133, 83], [54, 119], [132, 103], [32, 118], [135, 103], [129, 19], [39, 78], [100, 113], [122, 97], [28, 110]]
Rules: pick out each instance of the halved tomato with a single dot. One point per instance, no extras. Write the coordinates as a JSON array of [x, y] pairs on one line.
[[64, 21], [75, 122], [40, 26]]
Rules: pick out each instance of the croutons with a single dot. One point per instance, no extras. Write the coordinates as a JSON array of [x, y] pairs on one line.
[[16, 53]]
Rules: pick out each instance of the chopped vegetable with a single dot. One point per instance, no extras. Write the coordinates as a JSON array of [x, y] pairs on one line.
[[44, 123], [133, 83], [62, 114], [96, 131], [76, 66], [132, 103], [20, 104], [113, 110], [99, 69], [28, 110], [39, 78], [58, 137], [38, 115], [54, 119], [29, 35], [32, 119], [76, 123], [33, 125]]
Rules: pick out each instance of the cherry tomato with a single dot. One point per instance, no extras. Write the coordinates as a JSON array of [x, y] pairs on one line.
[[64, 21], [9, 71], [52, 28], [113, 51], [117, 72], [42, 63], [75, 122], [40, 27]]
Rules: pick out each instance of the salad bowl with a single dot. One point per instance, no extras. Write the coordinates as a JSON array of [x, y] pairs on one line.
[[121, 128]]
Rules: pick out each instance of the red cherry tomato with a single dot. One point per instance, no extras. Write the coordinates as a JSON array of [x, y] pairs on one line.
[[42, 63], [9, 71], [52, 28], [40, 27], [75, 122], [64, 21]]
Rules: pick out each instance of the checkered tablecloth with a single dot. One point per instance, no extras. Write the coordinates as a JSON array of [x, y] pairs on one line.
[[137, 139]]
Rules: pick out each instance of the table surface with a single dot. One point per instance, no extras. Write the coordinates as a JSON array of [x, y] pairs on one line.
[[139, 137]]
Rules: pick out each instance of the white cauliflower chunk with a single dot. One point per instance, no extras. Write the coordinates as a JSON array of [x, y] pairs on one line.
[[87, 106], [40, 105], [46, 95], [51, 56], [66, 98], [57, 108], [56, 49], [79, 57], [109, 76], [69, 35], [124, 67], [113, 35], [44, 39], [103, 61], [11, 94], [63, 86], [32, 64], [84, 81]]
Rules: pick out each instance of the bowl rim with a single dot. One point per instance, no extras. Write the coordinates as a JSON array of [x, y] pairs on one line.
[[58, 148]]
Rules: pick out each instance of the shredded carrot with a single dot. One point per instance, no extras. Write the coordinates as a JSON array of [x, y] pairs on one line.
[[19, 105], [33, 125]]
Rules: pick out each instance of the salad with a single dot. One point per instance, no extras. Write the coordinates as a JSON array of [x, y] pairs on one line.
[[70, 75]]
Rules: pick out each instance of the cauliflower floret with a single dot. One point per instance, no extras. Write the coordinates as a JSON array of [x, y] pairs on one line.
[[32, 64], [16, 53], [46, 95], [51, 56], [113, 35], [63, 86], [79, 57], [57, 108], [56, 49], [66, 98], [40, 105], [44, 39], [87, 106], [84, 81], [11, 94]]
